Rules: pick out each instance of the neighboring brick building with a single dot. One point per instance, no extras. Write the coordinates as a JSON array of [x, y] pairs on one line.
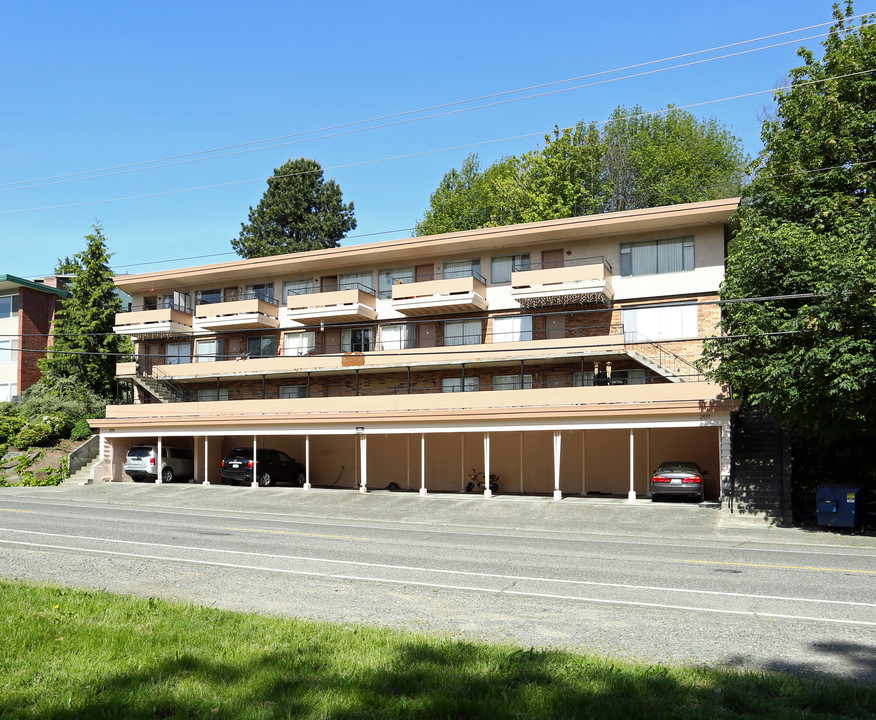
[[27, 314], [557, 354]]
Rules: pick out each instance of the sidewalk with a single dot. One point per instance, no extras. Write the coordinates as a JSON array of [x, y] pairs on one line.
[[524, 515]]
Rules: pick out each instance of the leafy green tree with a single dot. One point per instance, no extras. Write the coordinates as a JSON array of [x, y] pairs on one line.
[[806, 229], [299, 211], [85, 347], [634, 161], [66, 266]]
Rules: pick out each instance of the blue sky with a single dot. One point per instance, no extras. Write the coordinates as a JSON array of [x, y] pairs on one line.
[[91, 85]]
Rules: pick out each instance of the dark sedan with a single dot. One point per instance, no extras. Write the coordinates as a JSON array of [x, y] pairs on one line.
[[678, 478], [273, 466]]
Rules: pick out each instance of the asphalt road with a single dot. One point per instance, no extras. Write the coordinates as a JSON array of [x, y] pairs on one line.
[[670, 582]]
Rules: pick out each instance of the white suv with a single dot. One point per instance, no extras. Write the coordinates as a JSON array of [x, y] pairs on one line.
[[141, 465]]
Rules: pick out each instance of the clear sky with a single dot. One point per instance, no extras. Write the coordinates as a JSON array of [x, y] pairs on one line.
[[91, 85]]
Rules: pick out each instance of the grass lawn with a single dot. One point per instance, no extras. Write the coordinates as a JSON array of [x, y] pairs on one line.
[[85, 654]]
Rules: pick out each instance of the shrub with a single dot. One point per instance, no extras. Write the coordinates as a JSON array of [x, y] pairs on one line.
[[34, 435], [10, 425], [81, 430]]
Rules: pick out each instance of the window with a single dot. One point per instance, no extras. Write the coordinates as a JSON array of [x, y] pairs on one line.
[[660, 323], [356, 281], [8, 391], [462, 332], [261, 291], [393, 276], [657, 256], [357, 339], [511, 382], [212, 394], [502, 267], [8, 306], [584, 379], [208, 297], [303, 343], [178, 353], [472, 384], [512, 329], [210, 350], [396, 337], [7, 348], [293, 391], [261, 345], [297, 287], [462, 268]]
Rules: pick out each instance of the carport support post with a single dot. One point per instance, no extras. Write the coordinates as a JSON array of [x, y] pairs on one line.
[[632, 494], [206, 461], [158, 479], [423, 464], [255, 464], [558, 442], [307, 462], [487, 492], [363, 460]]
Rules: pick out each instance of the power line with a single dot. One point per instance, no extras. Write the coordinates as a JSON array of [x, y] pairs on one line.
[[71, 177]]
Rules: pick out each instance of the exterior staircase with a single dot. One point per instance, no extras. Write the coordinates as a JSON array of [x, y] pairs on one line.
[[161, 388], [84, 475], [82, 460], [660, 360]]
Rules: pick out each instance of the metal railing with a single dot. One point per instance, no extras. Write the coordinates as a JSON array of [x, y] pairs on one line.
[[562, 263], [660, 355], [160, 306], [235, 296], [341, 286]]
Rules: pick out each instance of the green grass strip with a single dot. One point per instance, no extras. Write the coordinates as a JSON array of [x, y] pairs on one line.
[[88, 654]]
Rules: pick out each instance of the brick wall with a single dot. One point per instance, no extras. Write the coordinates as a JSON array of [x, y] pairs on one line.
[[36, 312]]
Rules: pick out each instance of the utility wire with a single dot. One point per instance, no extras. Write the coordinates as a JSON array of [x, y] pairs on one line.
[[154, 163], [426, 152]]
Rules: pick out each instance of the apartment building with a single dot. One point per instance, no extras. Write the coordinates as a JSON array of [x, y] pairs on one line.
[[27, 312], [557, 355]]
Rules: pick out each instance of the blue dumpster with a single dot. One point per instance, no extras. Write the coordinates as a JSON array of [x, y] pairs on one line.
[[838, 505]]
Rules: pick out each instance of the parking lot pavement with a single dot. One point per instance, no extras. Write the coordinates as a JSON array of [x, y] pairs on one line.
[[524, 514]]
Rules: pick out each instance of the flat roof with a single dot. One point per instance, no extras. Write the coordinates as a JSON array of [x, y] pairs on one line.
[[408, 250], [10, 282]]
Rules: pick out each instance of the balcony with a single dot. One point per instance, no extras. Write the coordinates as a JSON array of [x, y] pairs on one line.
[[313, 307], [575, 282], [440, 295], [253, 311], [150, 321]]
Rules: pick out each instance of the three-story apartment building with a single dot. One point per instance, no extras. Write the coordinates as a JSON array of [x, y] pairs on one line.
[[558, 355]]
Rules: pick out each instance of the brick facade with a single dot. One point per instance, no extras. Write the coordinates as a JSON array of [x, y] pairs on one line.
[[36, 313]]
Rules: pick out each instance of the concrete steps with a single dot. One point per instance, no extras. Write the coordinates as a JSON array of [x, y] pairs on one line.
[[84, 475]]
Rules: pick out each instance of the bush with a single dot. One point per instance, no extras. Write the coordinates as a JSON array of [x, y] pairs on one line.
[[66, 399], [81, 430], [35, 435], [10, 425]]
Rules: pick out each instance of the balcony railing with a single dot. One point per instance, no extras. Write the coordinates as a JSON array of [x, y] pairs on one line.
[[577, 262], [236, 296], [341, 286]]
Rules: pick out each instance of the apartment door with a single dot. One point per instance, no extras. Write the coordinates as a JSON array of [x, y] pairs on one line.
[[154, 356], [555, 327], [229, 294], [555, 379], [552, 258], [328, 283], [331, 341], [426, 333], [423, 273]]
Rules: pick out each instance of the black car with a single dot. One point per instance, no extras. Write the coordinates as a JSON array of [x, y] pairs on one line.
[[273, 466]]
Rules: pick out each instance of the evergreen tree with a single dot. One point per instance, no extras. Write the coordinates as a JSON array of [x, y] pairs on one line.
[[299, 211], [85, 346]]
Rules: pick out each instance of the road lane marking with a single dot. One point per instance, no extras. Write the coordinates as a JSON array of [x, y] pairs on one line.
[[440, 571], [289, 532], [781, 567], [464, 588], [582, 537], [32, 512]]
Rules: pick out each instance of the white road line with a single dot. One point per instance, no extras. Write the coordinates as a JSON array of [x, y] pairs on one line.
[[734, 544], [414, 568], [546, 596]]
